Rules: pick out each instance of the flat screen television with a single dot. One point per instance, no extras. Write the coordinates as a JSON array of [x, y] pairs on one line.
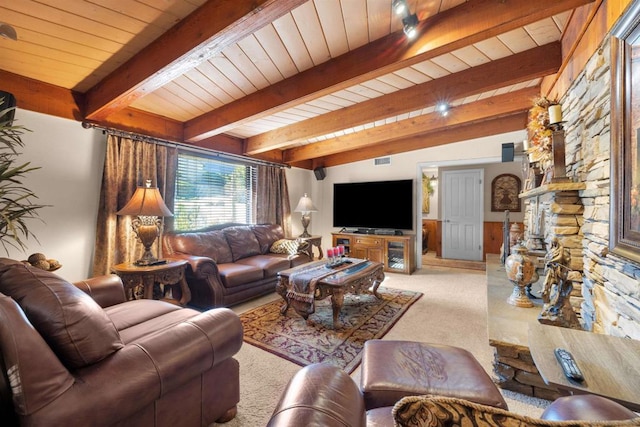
[[374, 205]]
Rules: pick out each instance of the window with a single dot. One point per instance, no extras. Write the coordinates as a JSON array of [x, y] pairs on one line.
[[211, 191]]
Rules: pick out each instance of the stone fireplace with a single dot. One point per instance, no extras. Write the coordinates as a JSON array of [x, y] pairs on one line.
[[608, 296]]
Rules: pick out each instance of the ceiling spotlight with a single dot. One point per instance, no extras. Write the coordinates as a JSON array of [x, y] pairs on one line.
[[410, 25], [7, 31], [399, 6], [443, 108]]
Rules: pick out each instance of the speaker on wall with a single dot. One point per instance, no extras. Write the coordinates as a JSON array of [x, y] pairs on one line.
[[508, 151], [320, 172], [7, 100]]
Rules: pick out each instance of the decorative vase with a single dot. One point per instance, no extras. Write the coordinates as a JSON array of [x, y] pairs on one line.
[[521, 272]]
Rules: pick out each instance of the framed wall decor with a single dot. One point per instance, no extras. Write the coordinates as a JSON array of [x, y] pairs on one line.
[[624, 218], [504, 193]]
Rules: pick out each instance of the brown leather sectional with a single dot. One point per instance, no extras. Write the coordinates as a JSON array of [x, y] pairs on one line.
[[230, 263], [81, 355]]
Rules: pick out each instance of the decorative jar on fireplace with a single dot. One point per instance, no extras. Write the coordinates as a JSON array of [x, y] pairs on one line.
[[521, 272]]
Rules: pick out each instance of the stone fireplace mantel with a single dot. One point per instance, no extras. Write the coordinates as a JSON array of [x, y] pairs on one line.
[[552, 188]]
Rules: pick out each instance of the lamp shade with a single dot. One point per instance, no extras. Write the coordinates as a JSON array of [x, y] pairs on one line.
[[305, 205], [146, 201]]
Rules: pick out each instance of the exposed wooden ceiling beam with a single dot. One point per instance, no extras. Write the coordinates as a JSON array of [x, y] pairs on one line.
[[42, 97], [208, 30], [489, 127], [506, 104], [528, 65], [439, 34]]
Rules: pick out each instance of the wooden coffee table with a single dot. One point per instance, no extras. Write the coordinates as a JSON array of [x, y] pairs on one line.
[[354, 277]]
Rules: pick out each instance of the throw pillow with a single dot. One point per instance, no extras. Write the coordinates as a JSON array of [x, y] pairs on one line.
[[285, 246], [437, 411]]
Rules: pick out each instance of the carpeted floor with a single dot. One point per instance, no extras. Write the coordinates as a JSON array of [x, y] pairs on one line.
[[363, 317], [452, 310]]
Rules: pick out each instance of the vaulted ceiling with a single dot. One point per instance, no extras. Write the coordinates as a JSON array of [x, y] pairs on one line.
[[304, 82]]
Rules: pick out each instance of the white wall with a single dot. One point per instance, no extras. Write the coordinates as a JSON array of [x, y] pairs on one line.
[[71, 160]]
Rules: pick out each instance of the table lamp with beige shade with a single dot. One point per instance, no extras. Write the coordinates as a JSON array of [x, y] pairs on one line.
[[306, 206], [148, 208]]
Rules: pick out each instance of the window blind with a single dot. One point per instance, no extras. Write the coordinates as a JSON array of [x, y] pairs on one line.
[[212, 191]]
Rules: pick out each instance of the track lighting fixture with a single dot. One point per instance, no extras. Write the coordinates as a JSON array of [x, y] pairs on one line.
[[399, 7], [443, 108], [409, 20], [410, 25]]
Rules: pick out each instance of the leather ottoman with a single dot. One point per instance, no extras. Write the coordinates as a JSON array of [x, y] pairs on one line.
[[392, 370]]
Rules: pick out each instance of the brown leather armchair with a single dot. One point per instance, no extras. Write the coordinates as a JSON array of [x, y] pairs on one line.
[[82, 355]]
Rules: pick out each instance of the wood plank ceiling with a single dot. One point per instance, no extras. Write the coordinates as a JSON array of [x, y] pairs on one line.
[[305, 82]]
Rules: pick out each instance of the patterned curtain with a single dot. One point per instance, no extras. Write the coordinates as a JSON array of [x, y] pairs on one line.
[[273, 206], [128, 164]]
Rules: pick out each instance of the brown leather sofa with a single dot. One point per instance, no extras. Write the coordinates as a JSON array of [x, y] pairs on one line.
[[231, 263], [81, 355], [323, 395]]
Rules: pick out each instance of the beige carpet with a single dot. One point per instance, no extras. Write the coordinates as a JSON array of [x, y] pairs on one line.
[[451, 311], [315, 340]]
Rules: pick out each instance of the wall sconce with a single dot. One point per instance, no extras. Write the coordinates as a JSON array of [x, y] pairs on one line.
[[433, 178], [147, 206], [409, 20], [306, 206]]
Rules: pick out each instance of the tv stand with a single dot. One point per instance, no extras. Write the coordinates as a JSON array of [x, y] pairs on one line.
[[395, 252]]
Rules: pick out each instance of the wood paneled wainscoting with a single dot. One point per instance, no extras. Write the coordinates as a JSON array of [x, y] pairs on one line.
[[492, 240]]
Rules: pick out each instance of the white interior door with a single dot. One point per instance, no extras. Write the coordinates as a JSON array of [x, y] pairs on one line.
[[462, 214]]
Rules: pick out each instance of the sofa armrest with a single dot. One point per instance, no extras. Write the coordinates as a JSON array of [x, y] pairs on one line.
[[28, 360], [106, 290], [199, 266], [320, 394], [193, 346]]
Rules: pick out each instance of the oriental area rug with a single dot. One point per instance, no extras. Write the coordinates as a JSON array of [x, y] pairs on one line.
[[364, 317]]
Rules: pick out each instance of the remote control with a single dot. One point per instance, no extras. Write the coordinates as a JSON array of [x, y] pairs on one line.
[[568, 365]]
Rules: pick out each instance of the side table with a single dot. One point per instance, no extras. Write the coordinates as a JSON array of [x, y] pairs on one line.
[[313, 241], [168, 274]]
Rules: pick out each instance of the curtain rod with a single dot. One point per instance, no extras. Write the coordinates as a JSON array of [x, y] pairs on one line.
[[182, 146]]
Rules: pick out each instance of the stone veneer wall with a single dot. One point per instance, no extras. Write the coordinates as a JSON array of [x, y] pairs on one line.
[[611, 290]]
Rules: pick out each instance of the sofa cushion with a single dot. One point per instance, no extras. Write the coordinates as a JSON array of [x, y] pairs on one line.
[[267, 234], [285, 246], [438, 411], [242, 241], [236, 274], [270, 264], [211, 244], [74, 325]]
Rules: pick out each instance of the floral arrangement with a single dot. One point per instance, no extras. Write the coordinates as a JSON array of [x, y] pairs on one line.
[[540, 136]]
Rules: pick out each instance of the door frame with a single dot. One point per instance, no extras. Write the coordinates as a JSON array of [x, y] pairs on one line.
[[418, 206]]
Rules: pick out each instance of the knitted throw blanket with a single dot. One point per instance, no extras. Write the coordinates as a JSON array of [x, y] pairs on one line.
[[302, 286]]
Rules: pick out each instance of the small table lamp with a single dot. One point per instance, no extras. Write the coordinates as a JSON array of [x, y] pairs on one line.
[[306, 206], [146, 205]]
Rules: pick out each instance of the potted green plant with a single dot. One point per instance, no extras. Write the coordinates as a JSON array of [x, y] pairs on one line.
[[17, 202]]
